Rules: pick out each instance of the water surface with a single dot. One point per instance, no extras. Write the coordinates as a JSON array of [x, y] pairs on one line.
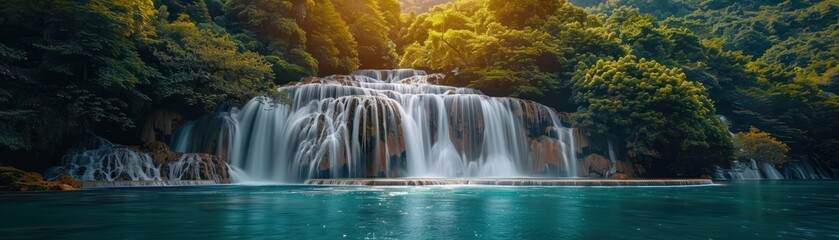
[[734, 210]]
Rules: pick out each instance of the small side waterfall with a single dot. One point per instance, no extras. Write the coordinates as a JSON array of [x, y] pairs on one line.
[[612, 157], [804, 169], [751, 170], [385, 123], [792, 169], [770, 171], [103, 161]]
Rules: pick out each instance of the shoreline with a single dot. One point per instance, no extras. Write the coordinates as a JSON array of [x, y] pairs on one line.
[[558, 182], [524, 182]]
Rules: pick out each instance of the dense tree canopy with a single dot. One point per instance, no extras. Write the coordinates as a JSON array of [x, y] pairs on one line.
[[420, 6], [202, 69], [68, 65], [329, 38], [502, 54], [658, 113], [274, 23], [372, 30]]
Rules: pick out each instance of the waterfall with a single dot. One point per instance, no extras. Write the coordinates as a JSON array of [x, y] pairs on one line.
[[804, 169], [770, 171], [793, 169], [103, 161], [749, 171], [384, 123], [612, 157]]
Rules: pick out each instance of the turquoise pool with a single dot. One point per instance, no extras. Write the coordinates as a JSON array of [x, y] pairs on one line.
[[730, 210]]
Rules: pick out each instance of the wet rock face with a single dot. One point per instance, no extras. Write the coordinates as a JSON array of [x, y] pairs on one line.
[[545, 152], [160, 125], [187, 166], [595, 165], [629, 169], [197, 166]]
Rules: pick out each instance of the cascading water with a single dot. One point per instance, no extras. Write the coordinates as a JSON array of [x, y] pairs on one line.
[[105, 161], [612, 157], [770, 171], [804, 169], [384, 123], [751, 170]]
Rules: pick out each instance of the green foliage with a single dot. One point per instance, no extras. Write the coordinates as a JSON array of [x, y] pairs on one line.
[[760, 146], [370, 27], [524, 12], [502, 54], [11, 115], [420, 6], [660, 115], [203, 69], [274, 23], [67, 72], [392, 14], [329, 39], [197, 10], [754, 27], [781, 77]]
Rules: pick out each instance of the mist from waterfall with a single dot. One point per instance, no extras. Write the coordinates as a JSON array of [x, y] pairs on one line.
[[384, 123]]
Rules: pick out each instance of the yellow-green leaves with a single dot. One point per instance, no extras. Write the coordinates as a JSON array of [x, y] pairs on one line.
[[760, 146], [660, 115]]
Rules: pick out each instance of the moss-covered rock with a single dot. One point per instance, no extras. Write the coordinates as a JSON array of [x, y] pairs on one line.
[[13, 179], [68, 180]]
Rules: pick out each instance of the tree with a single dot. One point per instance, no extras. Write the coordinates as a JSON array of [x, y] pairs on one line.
[[523, 13], [392, 14], [70, 65], [760, 146], [204, 70], [329, 39], [197, 10], [664, 119], [501, 53], [274, 23], [12, 114], [371, 31]]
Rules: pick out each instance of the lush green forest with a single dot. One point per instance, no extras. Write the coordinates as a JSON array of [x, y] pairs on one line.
[[420, 6], [655, 74]]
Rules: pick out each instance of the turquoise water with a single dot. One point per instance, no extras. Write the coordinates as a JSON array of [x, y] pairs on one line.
[[741, 210]]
